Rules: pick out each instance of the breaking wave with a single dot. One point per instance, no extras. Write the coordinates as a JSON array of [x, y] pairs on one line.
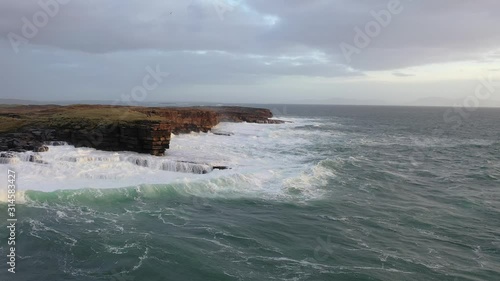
[[255, 160]]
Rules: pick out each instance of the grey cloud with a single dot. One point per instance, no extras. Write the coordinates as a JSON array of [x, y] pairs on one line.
[[99, 46], [462, 28], [401, 74]]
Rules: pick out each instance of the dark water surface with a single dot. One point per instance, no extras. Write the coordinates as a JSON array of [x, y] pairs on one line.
[[344, 193]]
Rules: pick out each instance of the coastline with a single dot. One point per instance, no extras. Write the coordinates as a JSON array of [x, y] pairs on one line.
[[145, 130]]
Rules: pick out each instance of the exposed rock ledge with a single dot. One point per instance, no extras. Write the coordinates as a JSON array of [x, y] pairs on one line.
[[113, 128]]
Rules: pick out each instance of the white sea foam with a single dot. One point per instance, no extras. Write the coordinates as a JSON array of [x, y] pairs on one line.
[[261, 157]]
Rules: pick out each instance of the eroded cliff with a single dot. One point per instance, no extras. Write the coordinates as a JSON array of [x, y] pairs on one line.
[[113, 128]]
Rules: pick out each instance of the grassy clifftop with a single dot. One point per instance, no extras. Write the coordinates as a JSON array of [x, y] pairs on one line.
[[13, 118]]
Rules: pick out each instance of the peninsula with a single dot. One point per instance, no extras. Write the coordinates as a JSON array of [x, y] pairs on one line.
[[113, 128]]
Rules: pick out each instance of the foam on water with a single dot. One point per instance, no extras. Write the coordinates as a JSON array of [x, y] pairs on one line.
[[262, 158], [375, 215]]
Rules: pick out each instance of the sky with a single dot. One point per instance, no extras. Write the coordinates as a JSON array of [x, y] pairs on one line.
[[420, 52]]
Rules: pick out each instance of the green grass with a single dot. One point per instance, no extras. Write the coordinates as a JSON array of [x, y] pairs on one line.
[[8, 124]]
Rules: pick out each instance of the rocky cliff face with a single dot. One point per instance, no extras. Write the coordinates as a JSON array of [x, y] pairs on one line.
[[141, 136], [113, 128], [244, 114], [184, 120]]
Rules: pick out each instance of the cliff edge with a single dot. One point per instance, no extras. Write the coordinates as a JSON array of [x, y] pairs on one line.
[[113, 128]]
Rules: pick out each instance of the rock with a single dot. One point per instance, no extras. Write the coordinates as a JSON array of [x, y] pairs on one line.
[[35, 158], [276, 121], [42, 148], [221, 133], [56, 143], [7, 158], [14, 143], [6, 155], [220, 167]]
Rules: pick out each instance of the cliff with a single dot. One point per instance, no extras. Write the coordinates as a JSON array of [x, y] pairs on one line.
[[113, 128], [244, 114]]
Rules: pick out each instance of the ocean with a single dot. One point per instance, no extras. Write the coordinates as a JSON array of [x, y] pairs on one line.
[[338, 193]]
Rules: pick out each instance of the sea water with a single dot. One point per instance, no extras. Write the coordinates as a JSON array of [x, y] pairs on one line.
[[337, 193]]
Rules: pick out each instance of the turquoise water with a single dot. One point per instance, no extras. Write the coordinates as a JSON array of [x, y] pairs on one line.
[[343, 193]]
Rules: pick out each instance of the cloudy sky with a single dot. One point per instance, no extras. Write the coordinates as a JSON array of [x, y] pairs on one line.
[[255, 51]]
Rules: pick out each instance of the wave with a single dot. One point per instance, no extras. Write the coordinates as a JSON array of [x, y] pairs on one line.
[[233, 187], [264, 161], [313, 179], [270, 185], [143, 161]]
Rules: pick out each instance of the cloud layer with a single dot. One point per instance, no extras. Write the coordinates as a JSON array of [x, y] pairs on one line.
[[102, 46]]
